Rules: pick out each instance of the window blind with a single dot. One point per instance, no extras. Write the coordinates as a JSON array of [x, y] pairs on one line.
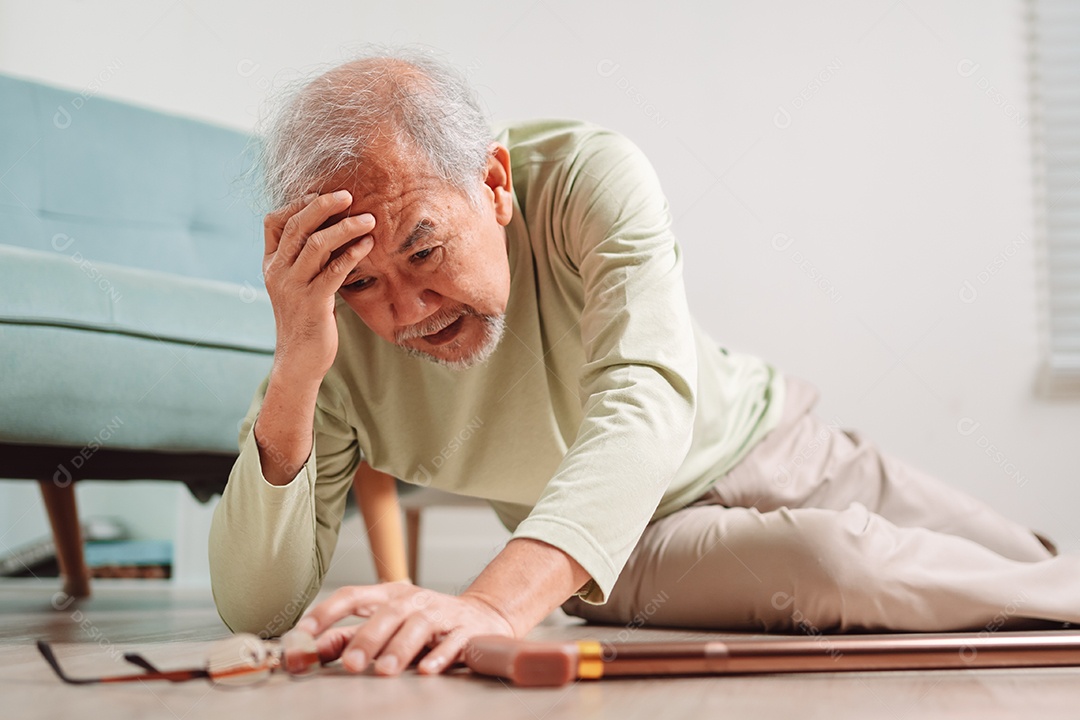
[[1054, 27]]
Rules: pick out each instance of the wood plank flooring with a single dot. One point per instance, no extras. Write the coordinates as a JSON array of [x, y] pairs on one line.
[[173, 627]]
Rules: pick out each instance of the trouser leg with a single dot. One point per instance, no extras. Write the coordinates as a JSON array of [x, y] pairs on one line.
[[807, 462], [710, 566], [817, 524]]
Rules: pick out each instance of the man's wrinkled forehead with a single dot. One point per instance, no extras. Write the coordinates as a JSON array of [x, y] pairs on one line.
[[392, 198]]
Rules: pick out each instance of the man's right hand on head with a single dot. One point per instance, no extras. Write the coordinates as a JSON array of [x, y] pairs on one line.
[[305, 262], [307, 259]]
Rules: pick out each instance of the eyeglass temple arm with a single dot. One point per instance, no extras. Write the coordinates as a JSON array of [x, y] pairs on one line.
[[135, 658], [46, 651], [170, 675]]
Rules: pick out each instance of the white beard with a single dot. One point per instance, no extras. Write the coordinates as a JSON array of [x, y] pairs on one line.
[[494, 327]]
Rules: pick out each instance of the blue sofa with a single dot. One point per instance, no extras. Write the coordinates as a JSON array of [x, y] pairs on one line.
[[134, 326]]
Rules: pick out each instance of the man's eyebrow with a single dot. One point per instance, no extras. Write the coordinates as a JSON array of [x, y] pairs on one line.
[[422, 229]]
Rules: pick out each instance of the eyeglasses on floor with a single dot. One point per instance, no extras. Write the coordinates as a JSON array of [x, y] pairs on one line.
[[243, 659]]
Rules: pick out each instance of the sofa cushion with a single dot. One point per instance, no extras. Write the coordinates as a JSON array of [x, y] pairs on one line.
[[85, 389], [127, 358], [64, 288]]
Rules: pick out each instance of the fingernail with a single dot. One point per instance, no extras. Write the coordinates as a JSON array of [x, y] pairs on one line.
[[306, 625], [342, 195], [366, 217], [356, 660], [386, 664]]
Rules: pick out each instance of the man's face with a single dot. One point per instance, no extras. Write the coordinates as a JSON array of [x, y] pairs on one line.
[[437, 279]]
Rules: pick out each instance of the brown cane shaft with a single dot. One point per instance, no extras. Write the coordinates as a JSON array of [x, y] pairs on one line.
[[548, 664]]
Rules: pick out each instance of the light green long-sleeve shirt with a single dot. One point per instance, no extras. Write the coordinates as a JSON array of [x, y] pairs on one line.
[[605, 405]]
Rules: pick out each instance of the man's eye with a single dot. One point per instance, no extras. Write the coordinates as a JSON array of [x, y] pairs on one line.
[[357, 284], [423, 254]]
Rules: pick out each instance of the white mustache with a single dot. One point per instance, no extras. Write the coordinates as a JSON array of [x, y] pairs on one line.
[[433, 324]]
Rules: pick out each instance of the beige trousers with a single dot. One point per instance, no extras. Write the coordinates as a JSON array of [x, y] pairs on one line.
[[817, 529]]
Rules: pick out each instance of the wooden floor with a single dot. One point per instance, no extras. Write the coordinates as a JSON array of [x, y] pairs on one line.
[[172, 628]]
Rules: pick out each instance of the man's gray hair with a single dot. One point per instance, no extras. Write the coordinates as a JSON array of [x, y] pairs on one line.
[[327, 126]]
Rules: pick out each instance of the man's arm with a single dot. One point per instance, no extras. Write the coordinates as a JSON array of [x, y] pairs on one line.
[[270, 545], [304, 265], [610, 220], [269, 548], [526, 581]]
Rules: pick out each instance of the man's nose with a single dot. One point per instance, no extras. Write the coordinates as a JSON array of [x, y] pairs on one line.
[[409, 305]]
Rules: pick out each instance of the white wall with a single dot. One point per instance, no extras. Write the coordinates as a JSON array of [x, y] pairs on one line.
[[851, 181]]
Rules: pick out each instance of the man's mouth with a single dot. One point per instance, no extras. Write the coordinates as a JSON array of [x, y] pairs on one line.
[[447, 334]]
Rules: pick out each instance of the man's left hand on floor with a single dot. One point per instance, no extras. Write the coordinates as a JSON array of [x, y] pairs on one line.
[[402, 620]]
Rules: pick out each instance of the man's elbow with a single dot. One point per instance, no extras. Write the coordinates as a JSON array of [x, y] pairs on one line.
[[245, 613]]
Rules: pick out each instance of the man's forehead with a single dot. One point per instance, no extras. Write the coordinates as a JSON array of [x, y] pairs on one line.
[[397, 186], [387, 170], [387, 181], [392, 200]]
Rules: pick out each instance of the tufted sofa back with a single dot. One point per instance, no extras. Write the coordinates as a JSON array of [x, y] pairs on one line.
[[121, 184], [132, 314]]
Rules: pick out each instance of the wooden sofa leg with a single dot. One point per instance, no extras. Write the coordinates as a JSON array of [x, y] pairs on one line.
[[412, 531], [64, 519], [377, 497]]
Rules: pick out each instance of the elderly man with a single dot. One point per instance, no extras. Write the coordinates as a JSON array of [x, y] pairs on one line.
[[428, 276]]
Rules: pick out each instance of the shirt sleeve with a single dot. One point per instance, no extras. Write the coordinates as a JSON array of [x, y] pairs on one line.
[[270, 545], [638, 384]]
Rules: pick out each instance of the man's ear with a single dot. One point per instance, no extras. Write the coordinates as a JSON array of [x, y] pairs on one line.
[[499, 182]]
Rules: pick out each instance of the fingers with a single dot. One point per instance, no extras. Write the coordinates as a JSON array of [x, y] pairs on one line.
[[445, 653], [404, 622], [330, 255], [378, 631], [274, 222], [333, 642], [395, 636], [361, 600], [302, 223], [320, 247], [326, 649], [307, 220], [411, 637]]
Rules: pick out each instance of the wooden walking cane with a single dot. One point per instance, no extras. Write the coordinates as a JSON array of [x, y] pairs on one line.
[[551, 664]]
